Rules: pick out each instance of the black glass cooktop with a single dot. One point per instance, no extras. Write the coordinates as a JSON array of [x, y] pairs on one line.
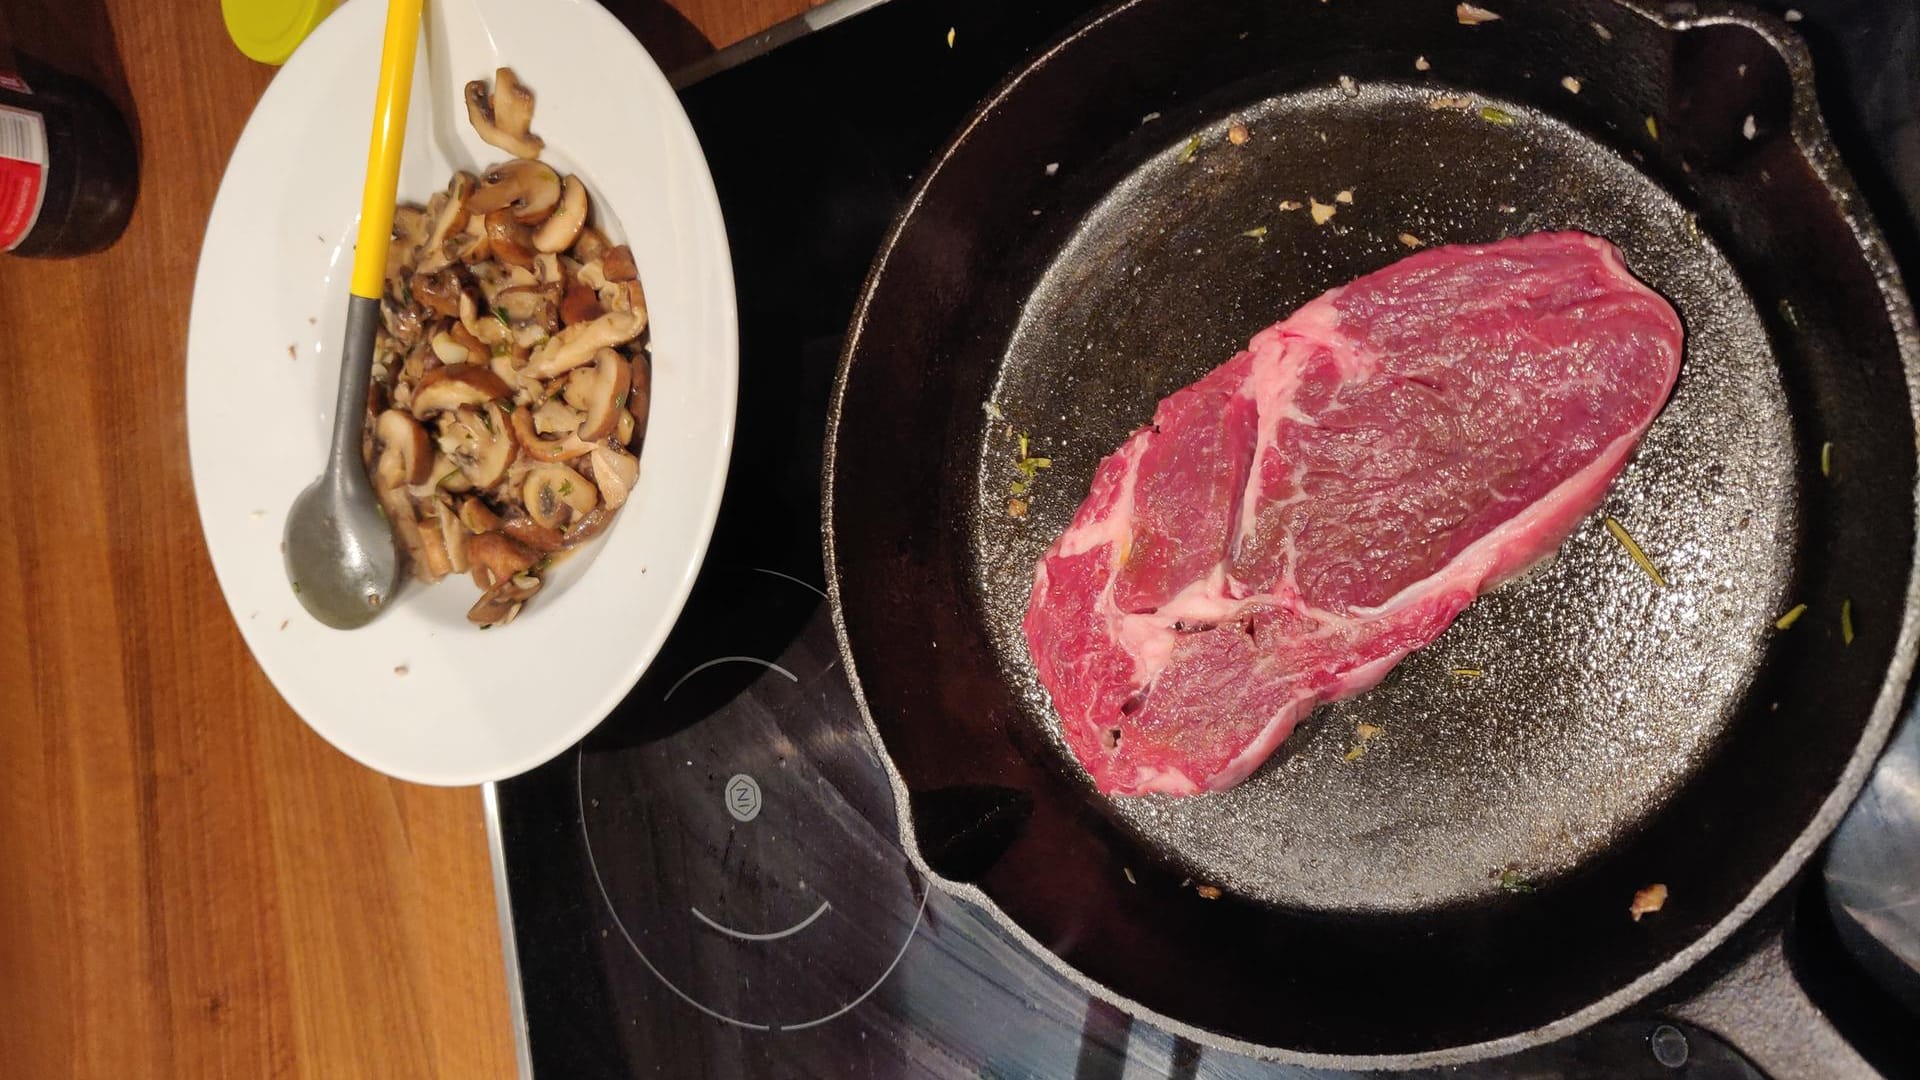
[[711, 885]]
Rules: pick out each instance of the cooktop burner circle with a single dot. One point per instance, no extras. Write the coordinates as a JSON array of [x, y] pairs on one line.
[[735, 819]]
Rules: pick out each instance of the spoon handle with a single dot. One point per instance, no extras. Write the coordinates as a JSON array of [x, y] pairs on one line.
[[376, 229]]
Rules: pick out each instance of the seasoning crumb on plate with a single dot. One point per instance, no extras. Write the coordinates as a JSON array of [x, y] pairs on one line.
[[949, 37], [1602, 32], [1322, 212], [1053, 167], [1289, 204], [1469, 15], [293, 351], [1409, 240], [1572, 84], [1749, 128], [1420, 64], [1017, 507], [1128, 870], [1648, 900], [401, 669], [1237, 133], [1208, 892], [1345, 197]]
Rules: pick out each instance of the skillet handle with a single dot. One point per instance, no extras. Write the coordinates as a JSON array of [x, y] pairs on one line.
[[1763, 1010]]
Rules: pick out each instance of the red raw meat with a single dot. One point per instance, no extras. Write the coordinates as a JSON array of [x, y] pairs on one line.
[[1308, 513]]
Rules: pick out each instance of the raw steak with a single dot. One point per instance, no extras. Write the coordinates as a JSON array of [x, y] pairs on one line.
[[1327, 501]]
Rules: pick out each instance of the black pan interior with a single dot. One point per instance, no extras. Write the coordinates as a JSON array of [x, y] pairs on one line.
[[1078, 255]]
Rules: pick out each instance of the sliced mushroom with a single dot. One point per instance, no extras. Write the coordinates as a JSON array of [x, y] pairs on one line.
[[530, 189], [624, 296], [623, 431], [555, 495], [410, 227], [547, 269], [482, 445], [606, 395], [617, 263], [554, 416], [446, 475], [450, 214], [435, 561], [509, 240], [470, 246], [453, 537], [495, 557], [477, 350], [614, 473], [406, 455], [440, 292], [503, 602], [536, 536], [530, 303], [563, 228], [455, 385], [451, 350], [565, 448], [489, 328], [478, 517], [577, 344], [589, 526], [502, 116], [590, 244], [580, 304]]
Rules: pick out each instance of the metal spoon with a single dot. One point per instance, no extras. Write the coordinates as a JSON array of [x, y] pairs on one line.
[[341, 557]]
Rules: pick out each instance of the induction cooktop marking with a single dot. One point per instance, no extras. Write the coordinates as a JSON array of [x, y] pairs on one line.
[[742, 797], [606, 898], [849, 1006], [791, 677], [807, 585], [775, 936]]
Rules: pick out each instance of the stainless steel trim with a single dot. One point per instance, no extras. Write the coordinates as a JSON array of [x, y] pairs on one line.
[[509, 949], [766, 40]]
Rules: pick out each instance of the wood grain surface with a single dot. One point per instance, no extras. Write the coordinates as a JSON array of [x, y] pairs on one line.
[[192, 883]]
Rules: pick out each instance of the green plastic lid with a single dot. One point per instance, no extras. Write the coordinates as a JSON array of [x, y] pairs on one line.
[[269, 30]]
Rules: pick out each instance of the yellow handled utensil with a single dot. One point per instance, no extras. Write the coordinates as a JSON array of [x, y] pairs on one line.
[[383, 146], [340, 552]]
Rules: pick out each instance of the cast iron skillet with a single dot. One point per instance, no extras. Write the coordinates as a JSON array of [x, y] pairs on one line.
[[1462, 890]]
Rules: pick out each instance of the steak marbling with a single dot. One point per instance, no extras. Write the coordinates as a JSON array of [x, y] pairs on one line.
[[1327, 501]]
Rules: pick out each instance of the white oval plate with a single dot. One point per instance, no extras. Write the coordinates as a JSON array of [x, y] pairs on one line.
[[421, 694]]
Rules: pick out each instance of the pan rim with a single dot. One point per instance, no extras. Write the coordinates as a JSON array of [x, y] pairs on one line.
[[1814, 142]]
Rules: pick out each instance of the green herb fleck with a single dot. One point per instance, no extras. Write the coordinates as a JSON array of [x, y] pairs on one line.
[[1826, 459], [1846, 622], [566, 488], [541, 566], [499, 348], [1792, 616], [621, 401], [1792, 317], [1193, 146], [1513, 881], [501, 314], [1256, 232], [510, 405], [1018, 487], [296, 588], [1496, 116], [1467, 673], [1653, 129]]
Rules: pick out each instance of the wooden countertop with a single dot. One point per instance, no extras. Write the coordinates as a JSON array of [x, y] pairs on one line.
[[192, 883]]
